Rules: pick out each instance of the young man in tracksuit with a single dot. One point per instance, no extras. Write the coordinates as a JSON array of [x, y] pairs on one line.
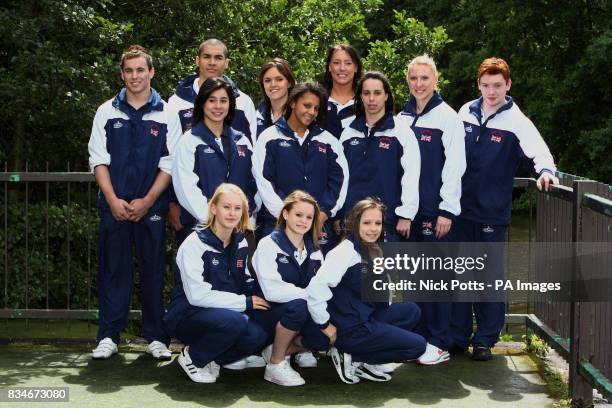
[[498, 137], [129, 152], [212, 61], [440, 136]]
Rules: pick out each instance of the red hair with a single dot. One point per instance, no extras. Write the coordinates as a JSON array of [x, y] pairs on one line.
[[494, 66]]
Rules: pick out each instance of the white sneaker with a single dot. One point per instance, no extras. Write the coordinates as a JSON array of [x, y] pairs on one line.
[[385, 368], [255, 361], [236, 365], [214, 368], [305, 359], [344, 366], [197, 374], [158, 350], [266, 354], [283, 374], [433, 355], [370, 372], [105, 348]]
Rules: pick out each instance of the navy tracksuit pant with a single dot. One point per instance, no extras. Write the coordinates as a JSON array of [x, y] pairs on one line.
[[435, 316], [386, 337], [293, 316], [490, 316], [116, 270], [219, 335]]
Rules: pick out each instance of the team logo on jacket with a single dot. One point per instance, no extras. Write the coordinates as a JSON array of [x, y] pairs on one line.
[[323, 238], [427, 228], [155, 218], [188, 113], [283, 259], [241, 150], [354, 142], [209, 150], [426, 135], [284, 143], [487, 229], [322, 148], [154, 131], [117, 125], [468, 129], [384, 143], [215, 261], [239, 263], [496, 137]]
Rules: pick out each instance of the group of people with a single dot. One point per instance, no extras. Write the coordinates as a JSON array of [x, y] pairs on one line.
[[322, 174]]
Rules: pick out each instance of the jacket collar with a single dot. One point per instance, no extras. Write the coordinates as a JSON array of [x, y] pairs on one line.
[[208, 237], [411, 106], [154, 103], [386, 122], [282, 240], [283, 127], [475, 108]]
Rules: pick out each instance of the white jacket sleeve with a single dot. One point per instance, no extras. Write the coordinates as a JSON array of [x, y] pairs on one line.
[[97, 141], [337, 262], [185, 180], [270, 199], [411, 163], [534, 146], [251, 115], [172, 138], [197, 290], [453, 140], [343, 164], [274, 288]]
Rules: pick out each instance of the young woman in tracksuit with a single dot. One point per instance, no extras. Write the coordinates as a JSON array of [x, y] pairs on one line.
[[295, 154], [343, 70], [383, 156], [440, 135], [285, 261], [276, 81], [214, 290], [498, 137], [210, 153], [368, 334]]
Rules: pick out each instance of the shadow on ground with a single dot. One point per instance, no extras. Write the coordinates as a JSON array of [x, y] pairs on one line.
[[510, 379]]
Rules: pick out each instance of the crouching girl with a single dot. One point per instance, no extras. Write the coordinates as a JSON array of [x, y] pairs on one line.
[[214, 290], [285, 261], [369, 336]]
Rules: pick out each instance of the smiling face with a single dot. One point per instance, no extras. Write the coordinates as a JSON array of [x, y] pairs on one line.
[[374, 97], [371, 225], [227, 211], [216, 108], [136, 75], [422, 82], [299, 218], [211, 62], [342, 68], [493, 89], [275, 85], [305, 110]]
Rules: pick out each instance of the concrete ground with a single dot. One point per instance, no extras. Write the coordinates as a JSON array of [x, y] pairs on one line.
[[134, 379]]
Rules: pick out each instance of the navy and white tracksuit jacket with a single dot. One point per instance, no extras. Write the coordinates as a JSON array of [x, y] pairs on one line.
[[440, 136], [281, 165], [135, 145], [200, 166], [494, 149], [261, 121], [245, 118], [212, 293], [283, 273], [384, 162], [372, 333], [210, 276], [338, 117], [280, 275]]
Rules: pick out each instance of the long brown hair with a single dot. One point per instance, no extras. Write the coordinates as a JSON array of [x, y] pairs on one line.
[[353, 221], [296, 197]]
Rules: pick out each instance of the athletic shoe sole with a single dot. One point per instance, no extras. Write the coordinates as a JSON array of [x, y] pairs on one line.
[[338, 360]]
